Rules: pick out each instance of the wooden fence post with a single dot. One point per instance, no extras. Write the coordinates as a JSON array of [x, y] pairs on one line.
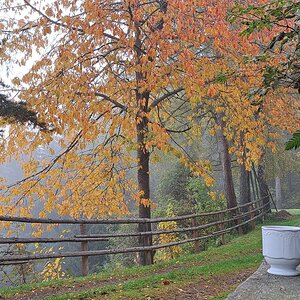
[[147, 241], [84, 247], [195, 235], [222, 227]]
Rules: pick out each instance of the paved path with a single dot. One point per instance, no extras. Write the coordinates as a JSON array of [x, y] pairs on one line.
[[264, 286]]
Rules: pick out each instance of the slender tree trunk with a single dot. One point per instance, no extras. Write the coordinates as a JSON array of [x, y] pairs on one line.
[[263, 187], [226, 164], [245, 192], [254, 194], [278, 190], [255, 181]]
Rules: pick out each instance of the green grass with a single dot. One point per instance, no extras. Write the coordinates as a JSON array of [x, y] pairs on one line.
[[294, 211], [241, 253], [139, 288]]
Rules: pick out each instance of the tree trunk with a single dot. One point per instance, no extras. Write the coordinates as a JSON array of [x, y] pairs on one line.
[[143, 154], [263, 187], [245, 193], [226, 164], [278, 190]]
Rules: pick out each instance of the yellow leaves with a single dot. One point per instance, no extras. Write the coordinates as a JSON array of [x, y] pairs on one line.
[[38, 232], [145, 202], [261, 141], [212, 195], [52, 269], [16, 81], [273, 147], [209, 181], [155, 157], [219, 109], [173, 251], [30, 167]]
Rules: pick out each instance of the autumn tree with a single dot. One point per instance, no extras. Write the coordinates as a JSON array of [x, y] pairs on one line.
[[102, 70], [280, 51], [111, 78], [280, 19], [236, 92]]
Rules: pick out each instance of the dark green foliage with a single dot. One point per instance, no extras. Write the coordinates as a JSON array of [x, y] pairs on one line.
[[221, 78], [183, 193], [202, 200], [269, 16], [264, 16], [174, 182], [18, 112], [294, 142], [172, 191]]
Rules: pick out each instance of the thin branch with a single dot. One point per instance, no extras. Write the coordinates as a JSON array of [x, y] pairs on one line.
[[109, 99], [178, 131], [164, 97]]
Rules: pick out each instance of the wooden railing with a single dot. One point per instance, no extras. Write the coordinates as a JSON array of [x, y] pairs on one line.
[[223, 222]]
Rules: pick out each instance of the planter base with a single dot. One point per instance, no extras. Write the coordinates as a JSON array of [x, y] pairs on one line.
[[283, 267], [279, 271]]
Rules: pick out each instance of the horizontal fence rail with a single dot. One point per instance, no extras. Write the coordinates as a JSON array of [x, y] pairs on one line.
[[224, 221], [121, 221]]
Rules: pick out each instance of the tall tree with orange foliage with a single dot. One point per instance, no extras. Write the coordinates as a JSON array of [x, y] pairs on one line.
[[232, 93], [105, 76], [101, 71]]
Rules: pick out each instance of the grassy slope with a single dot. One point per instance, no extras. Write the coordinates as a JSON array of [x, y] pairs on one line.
[[241, 253]]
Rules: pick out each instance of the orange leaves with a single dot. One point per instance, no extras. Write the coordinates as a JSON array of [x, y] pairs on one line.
[[211, 92], [212, 195], [49, 12], [118, 51], [47, 30]]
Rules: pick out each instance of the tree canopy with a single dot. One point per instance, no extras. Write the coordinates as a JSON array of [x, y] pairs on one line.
[[119, 80]]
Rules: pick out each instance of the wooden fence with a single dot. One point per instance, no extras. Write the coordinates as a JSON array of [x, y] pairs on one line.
[[191, 228]]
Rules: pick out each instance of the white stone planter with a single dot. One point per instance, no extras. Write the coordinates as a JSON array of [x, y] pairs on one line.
[[281, 249]]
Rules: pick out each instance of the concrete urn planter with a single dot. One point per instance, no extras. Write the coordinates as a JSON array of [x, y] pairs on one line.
[[281, 249]]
